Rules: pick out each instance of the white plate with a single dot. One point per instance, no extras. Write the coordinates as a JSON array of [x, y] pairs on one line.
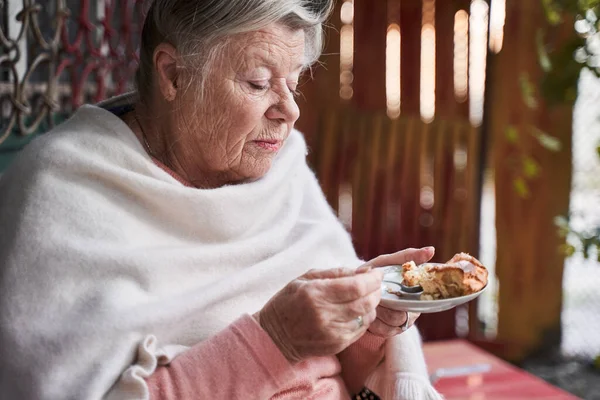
[[411, 302]]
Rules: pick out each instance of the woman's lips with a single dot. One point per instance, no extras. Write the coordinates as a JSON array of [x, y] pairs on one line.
[[270, 145]]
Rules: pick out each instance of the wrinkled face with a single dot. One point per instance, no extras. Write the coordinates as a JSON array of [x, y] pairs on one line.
[[247, 113]]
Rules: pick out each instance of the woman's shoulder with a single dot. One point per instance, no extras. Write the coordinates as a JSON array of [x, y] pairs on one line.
[[90, 133]]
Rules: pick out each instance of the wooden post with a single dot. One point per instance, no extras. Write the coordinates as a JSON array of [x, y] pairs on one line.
[[529, 266]]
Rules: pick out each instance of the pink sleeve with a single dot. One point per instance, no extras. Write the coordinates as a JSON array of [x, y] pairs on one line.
[[237, 363], [360, 360]]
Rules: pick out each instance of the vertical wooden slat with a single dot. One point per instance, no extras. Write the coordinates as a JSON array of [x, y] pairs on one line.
[[322, 92], [472, 186], [328, 142], [440, 183], [444, 86], [408, 183], [404, 127], [370, 27], [410, 31], [388, 204], [358, 193], [421, 160], [372, 161]]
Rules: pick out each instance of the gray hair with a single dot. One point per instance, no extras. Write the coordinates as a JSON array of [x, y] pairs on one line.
[[199, 28]]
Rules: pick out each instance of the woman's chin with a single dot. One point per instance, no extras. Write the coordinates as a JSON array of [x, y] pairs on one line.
[[257, 170]]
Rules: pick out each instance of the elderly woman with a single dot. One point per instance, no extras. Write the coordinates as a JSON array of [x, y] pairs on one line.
[[173, 244]]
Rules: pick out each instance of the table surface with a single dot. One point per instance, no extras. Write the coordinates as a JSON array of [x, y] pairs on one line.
[[502, 382]]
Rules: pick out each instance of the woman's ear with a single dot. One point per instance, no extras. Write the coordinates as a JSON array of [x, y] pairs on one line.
[[165, 64]]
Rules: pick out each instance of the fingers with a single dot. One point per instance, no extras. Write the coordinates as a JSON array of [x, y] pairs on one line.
[[351, 288], [356, 331], [328, 273], [386, 323], [419, 256], [381, 329], [412, 318], [362, 306], [391, 317]]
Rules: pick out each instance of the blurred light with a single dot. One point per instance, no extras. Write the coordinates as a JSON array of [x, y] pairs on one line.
[[460, 194], [474, 380], [427, 197], [347, 47], [497, 19], [426, 220], [392, 71], [462, 321], [461, 55], [428, 61], [347, 13], [477, 59], [346, 92], [347, 77], [428, 73], [347, 50], [477, 396], [460, 159], [581, 55], [345, 205], [583, 26]]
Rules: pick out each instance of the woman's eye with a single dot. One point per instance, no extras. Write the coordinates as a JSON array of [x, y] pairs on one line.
[[259, 85]]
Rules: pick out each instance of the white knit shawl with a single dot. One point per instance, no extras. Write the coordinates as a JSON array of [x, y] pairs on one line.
[[106, 259]]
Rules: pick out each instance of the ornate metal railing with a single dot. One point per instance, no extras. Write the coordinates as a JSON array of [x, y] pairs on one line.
[[57, 54]]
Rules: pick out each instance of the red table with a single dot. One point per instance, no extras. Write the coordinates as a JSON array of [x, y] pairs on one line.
[[502, 382]]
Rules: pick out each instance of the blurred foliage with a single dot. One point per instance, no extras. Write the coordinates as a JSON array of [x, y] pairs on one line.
[[526, 168], [585, 55], [584, 242], [562, 65]]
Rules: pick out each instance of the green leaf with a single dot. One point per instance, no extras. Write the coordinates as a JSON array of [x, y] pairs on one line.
[[546, 141], [528, 91], [567, 250], [598, 151], [585, 5], [521, 188], [512, 135], [531, 169], [553, 12], [543, 57]]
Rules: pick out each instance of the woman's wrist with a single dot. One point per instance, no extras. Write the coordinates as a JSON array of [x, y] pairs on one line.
[[271, 329]]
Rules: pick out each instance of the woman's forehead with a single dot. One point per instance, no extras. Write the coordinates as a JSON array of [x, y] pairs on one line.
[[273, 47]]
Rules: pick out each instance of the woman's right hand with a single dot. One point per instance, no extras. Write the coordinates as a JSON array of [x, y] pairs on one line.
[[318, 313]]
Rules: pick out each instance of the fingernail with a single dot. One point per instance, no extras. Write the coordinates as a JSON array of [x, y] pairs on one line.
[[429, 248]]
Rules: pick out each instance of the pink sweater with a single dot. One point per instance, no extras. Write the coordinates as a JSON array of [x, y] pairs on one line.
[[242, 362]]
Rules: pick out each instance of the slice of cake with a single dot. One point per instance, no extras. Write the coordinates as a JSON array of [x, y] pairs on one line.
[[461, 276]]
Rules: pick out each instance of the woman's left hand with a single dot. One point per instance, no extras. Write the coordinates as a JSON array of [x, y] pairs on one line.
[[391, 322]]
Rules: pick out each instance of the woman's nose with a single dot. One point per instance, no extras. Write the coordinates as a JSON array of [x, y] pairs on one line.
[[285, 110]]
